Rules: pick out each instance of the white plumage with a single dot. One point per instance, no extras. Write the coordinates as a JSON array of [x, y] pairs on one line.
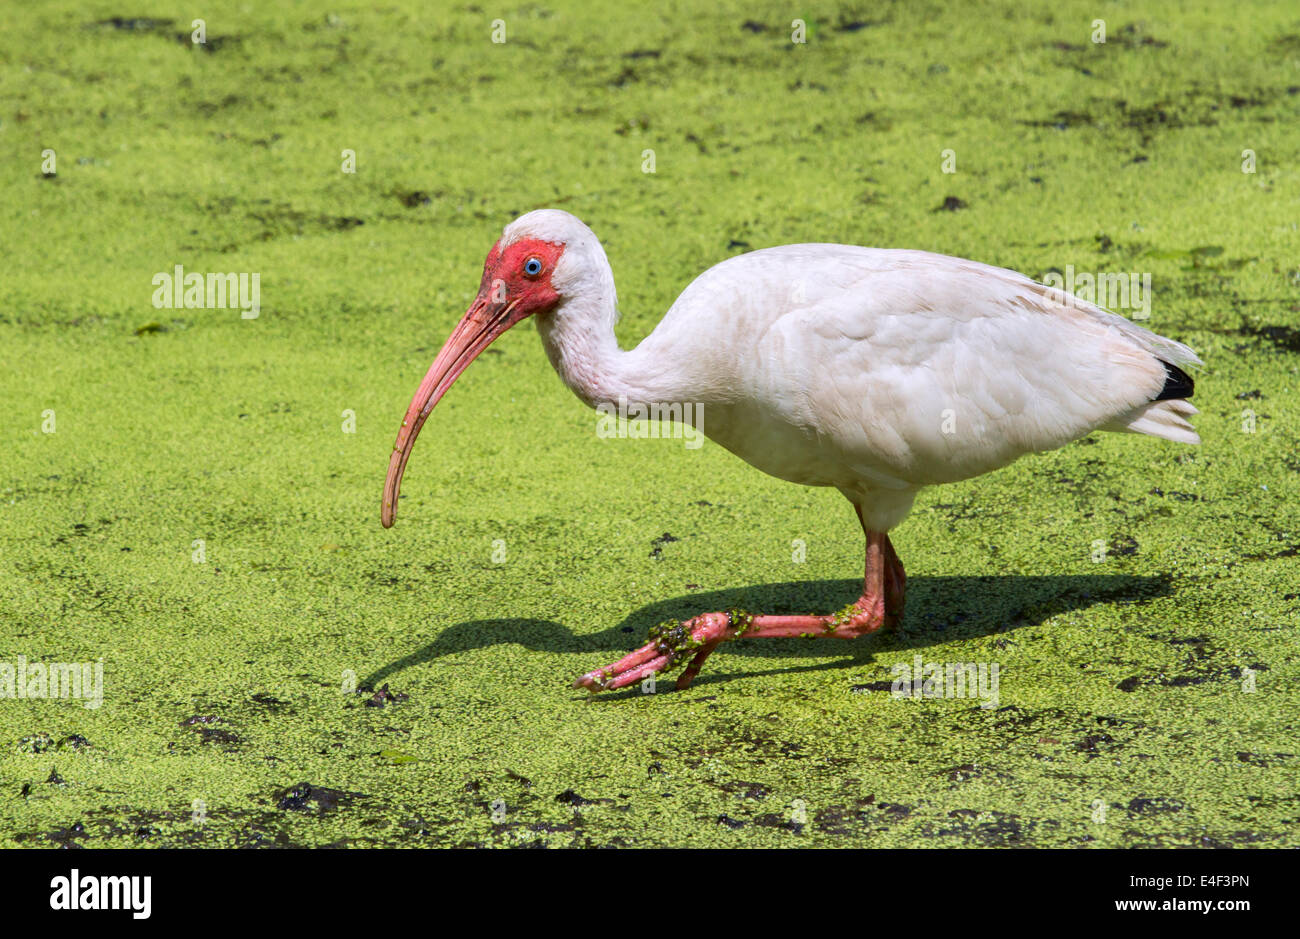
[[874, 371], [877, 372]]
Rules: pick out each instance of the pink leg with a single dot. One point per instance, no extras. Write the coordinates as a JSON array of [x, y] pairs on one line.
[[672, 643]]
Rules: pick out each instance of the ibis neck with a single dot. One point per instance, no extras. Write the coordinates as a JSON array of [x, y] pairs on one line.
[[580, 342]]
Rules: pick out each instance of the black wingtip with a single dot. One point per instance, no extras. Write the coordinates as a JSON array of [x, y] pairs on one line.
[[1178, 384]]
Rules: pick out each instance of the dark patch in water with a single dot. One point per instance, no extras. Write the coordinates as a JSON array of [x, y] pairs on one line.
[[35, 743], [1132, 36], [66, 837], [657, 545], [201, 724], [1149, 117], [838, 820], [951, 204], [886, 685], [1124, 545], [274, 705], [1283, 338], [211, 44], [1242, 101], [625, 77], [383, 696], [772, 820], [413, 198], [1286, 46], [1090, 744], [1198, 676], [242, 828], [742, 789], [1287, 552], [968, 771], [284, 220], [1263, 759], [200, 719], [1018, 718], [217, 735], [305, 797], [131, 24], [1063, 120], [987, 828]]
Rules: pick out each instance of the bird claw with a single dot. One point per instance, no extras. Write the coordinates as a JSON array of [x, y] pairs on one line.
[[671, 643]]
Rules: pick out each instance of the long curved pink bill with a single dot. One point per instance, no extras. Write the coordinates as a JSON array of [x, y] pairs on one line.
[[483, 322]]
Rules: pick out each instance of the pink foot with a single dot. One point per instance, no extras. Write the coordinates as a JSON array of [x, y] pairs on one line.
[[672, 642]]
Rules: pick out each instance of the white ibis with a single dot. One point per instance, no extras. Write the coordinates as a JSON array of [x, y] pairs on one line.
[[874, 371]]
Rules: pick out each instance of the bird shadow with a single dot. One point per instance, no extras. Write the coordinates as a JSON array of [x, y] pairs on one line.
[[939, 610]]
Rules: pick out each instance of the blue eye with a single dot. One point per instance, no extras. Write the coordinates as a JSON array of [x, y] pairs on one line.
[[533, 267]]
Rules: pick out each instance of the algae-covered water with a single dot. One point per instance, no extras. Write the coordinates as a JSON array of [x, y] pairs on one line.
[[189, 496]]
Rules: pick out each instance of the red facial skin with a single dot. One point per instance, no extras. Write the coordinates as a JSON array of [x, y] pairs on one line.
[[506, 295]]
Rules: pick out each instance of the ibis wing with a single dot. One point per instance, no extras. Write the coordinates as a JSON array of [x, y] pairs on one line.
[[929, 369]]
